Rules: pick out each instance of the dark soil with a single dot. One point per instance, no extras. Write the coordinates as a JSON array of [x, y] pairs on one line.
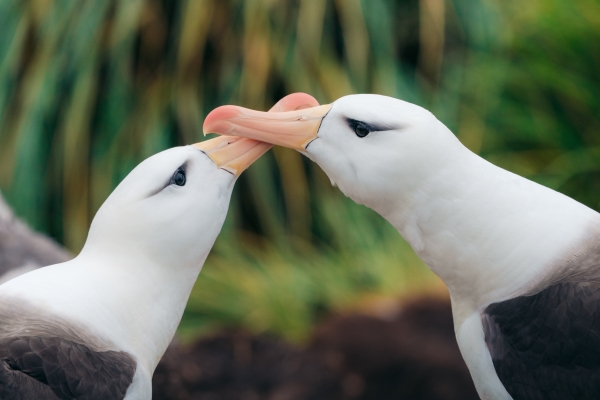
[[410, 355]]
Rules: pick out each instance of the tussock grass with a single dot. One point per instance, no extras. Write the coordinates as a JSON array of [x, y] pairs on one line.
[[90, 88]]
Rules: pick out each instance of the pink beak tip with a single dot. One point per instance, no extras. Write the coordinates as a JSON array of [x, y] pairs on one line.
[[217, 120], [295, 101], [217, 117]]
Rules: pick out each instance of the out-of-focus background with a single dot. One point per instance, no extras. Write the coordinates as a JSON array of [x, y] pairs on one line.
[[90, 88]]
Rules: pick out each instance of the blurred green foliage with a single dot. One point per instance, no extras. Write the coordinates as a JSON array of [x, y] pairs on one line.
[[90, 88]]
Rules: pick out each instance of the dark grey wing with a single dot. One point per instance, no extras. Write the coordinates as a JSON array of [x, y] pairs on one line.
[[70, 370], [15, 385], [547, 346], [20, 246]]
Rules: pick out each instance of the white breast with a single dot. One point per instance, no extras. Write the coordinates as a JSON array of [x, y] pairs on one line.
[[490, 234]]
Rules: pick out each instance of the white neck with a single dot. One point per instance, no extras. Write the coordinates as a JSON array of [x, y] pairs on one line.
[[126, 299], [482, 229], [150, 303]]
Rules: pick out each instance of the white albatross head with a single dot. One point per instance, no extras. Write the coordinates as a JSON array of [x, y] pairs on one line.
[[374, 148], [172, 206]]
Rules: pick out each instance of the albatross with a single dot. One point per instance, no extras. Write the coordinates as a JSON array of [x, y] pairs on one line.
[[521, 261], [95, 327]]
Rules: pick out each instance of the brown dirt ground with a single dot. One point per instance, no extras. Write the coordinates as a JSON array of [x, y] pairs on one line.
[[410, 354]]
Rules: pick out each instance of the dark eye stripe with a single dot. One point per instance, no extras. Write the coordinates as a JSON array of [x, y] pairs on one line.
[[360, 128]]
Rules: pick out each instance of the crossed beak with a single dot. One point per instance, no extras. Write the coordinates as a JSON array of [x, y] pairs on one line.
[[293, 129], [235, 154]]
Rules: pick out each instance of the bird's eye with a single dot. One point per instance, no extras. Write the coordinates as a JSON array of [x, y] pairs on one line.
[[361, 129], [178, 178]]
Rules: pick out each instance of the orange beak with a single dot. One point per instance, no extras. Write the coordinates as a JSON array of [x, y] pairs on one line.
[[235, 154], [293, 129]]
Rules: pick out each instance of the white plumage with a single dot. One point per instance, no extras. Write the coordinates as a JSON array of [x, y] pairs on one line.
[[501, 243], [96, 326], [129, 285]]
